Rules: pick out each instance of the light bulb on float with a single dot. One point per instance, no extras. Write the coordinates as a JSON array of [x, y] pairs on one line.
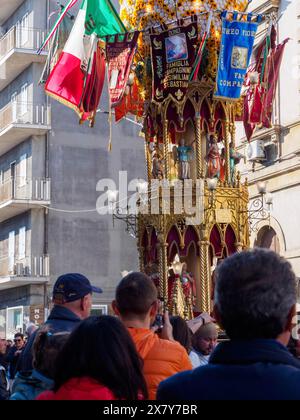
[[149, 9], [197, 4]]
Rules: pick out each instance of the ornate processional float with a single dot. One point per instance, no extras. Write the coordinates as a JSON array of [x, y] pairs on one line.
[[188, 71], [189, 135]]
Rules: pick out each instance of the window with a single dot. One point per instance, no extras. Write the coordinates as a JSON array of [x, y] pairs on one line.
[[11, 252], [13, 100], [24, 99], [14, 321], [98, 310], [22, 31], [22, 243], [23, 170]]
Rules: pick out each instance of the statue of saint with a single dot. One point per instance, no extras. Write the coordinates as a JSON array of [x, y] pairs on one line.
[[188, 283], [157, 166], [213, 159], [184, 157]]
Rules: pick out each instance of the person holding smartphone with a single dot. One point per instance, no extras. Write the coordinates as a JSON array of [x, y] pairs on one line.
[[137, 305]]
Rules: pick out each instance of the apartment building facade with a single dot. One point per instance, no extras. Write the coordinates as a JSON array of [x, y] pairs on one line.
[[49, 169], [273, 156]]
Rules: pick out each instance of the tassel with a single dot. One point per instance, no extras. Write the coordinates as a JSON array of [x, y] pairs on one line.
[[110, 128]]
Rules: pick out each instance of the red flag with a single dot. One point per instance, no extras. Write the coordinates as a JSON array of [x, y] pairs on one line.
[[94, 86], [271, 78], [260, 95], [130, 104], [119, 54]]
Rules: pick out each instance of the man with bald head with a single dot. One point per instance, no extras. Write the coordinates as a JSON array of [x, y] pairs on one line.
[[204, 340]]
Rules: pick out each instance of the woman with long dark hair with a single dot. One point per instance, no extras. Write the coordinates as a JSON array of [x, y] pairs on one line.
[[181, 332], [98, 362]]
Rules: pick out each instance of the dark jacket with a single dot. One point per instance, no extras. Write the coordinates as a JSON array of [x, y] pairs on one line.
[[239, 370], [4, 392], [60, 319], [13, 360], [3, 360], [29, 387]]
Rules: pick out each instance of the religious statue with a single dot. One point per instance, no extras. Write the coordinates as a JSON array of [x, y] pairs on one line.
[[213, 159], [188, 283], [184, 158], [157, 166]]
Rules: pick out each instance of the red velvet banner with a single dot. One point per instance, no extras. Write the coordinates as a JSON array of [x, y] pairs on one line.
[[120, 50], [173, 54]]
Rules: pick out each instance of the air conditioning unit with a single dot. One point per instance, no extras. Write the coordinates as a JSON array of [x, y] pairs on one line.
[[256, 151]]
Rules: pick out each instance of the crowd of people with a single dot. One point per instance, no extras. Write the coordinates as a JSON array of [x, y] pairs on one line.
[[75, 356]]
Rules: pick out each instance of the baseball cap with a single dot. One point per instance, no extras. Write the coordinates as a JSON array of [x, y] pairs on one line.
[[72, 286]]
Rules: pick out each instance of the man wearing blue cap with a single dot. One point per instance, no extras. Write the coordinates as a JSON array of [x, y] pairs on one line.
[[72, 298]]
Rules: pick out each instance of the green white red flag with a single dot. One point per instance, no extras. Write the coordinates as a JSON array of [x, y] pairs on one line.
[[78, 77], [59, 20], [102, 19]]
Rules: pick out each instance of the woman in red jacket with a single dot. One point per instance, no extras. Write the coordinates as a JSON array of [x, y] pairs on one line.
[[98, 362]]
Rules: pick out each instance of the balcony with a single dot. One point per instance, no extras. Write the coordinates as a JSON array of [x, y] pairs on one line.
[[264, 6], [7, 9], [18, 121], [20, 195], [21, 272], [17, 51]]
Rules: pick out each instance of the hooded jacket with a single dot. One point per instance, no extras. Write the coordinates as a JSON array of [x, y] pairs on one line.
[[60, 319], [29, 387], [162, 358]]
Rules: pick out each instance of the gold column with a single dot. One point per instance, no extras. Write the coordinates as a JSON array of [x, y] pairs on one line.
[[233, 133], [227, 150], [199, 162], [205, 304], [163, 270], [165, 274], [141, 258], [148, 158], [166, 149]]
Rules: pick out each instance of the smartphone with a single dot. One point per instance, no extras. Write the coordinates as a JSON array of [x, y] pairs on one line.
[[159, 319], [159, 322]]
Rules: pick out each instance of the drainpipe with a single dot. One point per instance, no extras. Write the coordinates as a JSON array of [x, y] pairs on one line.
[[46, 171]]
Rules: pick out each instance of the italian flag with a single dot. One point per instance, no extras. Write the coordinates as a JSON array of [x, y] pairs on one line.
[[59, 20], [79, 73], [67, 79]]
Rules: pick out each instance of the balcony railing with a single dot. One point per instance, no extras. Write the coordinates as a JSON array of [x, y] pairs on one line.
[[28, 266], [25, 189], [24, 113], [22, 38]]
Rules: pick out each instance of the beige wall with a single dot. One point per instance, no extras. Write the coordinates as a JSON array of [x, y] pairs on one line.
[[282, 170]]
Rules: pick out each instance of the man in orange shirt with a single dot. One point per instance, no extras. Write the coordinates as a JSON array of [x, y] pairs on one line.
[[137, 305]]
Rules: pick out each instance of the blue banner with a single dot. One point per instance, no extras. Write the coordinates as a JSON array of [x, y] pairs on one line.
[[236, 49]]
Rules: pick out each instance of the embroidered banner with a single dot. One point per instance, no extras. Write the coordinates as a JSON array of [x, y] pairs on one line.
[[120, 50], [235, 53], [173, 54]]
